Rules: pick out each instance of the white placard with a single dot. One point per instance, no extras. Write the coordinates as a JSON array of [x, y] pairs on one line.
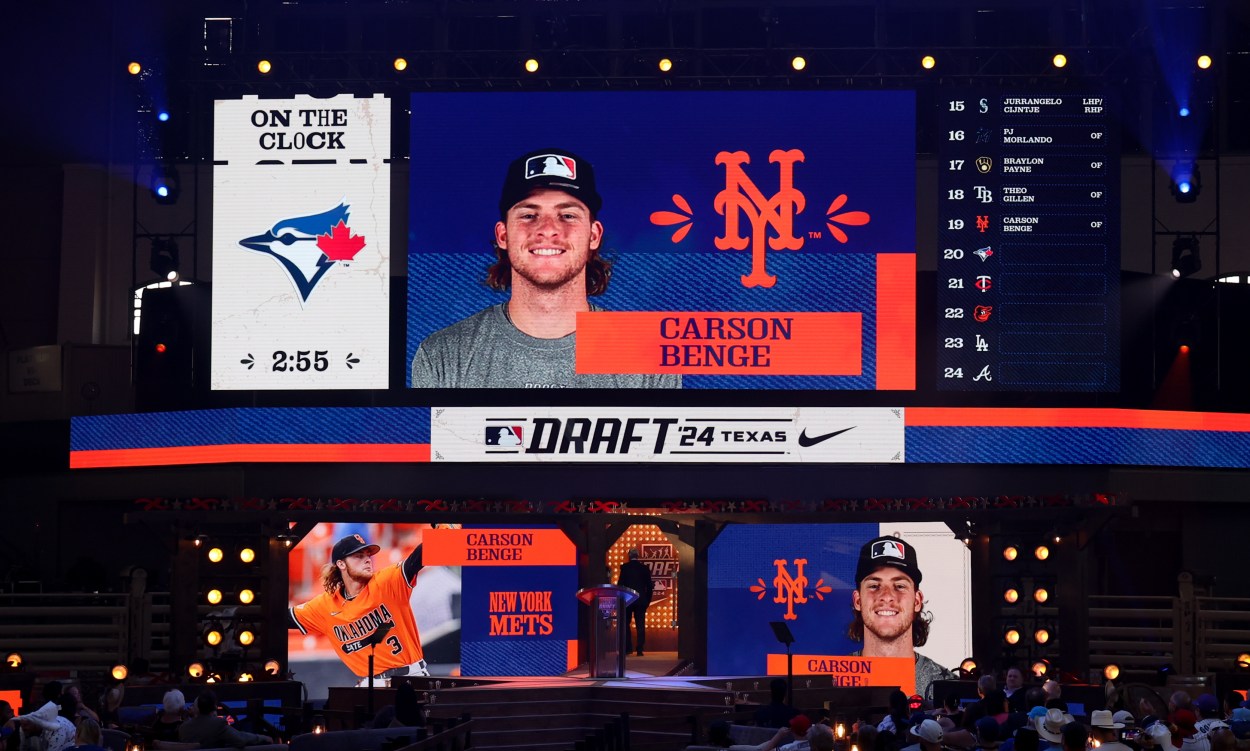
[[643, 434], [301, 243]]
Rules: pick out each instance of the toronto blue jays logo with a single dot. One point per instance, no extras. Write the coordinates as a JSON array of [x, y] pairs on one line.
[[308, 246]]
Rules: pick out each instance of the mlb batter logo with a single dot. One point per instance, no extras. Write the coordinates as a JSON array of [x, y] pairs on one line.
[[504, 436], [306, 247], [550, 165], [889, 549]]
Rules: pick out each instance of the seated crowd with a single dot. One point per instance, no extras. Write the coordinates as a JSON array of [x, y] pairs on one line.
[[1013, 718]]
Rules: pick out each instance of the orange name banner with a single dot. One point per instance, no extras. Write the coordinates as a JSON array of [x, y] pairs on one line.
[[852, 671], [720, 343], [497, 547]]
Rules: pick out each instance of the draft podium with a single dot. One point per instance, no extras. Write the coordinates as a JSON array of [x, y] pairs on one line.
[[608, 624]]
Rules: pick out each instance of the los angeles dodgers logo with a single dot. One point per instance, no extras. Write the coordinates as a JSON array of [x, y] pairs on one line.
[[791, 589], [742, 197], [308, 246]]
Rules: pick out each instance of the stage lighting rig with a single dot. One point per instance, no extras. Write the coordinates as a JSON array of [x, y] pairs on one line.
[[1186, 181], [1186, 259]]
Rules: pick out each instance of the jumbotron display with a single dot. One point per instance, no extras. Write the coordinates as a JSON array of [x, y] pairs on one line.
[[729, 240]]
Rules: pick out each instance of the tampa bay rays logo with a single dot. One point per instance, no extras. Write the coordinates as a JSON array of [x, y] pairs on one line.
[[771, 218], [308, 246], [791, 588]]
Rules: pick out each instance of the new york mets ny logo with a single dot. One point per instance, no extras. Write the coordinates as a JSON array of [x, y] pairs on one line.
[[742, 196], [775, 214], [791, 590]]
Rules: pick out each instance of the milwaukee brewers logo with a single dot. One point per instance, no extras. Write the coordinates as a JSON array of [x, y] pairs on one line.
[[771, 219], [791, 589]]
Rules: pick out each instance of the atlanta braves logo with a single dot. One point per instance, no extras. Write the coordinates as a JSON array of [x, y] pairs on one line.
[[307, 246], [791, 589], [742, 197]]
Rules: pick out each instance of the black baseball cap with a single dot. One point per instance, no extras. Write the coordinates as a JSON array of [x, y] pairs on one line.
[[351, 545], [556, 169], [887, 551]]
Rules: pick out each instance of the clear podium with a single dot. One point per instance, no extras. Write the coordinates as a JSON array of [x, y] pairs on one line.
[[608, 623]]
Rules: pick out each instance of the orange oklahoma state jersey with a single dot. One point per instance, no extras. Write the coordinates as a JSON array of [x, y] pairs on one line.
[[349, 622]]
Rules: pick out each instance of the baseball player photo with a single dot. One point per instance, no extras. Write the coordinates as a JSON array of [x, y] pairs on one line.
[[547, 246], [364, 609]]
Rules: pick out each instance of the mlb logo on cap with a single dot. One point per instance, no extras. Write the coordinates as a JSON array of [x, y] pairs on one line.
[[889, 549], [550, 165]]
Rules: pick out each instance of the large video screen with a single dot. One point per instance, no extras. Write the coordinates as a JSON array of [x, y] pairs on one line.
[[805, 577], [756, 240]]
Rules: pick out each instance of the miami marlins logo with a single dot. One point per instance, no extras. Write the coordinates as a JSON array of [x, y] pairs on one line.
[[771, 218], [791, 588], [308, 246]]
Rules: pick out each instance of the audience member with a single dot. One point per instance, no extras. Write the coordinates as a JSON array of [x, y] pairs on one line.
[[1050, 726], [776, 713], [1159, 738], [987, 733], [978, 709], [110, 703], [866, 736], [54, 732], [1239, 723], [83, 710], [1222, 739], [1104, 729], [173, 712], [87, 738], [1185, 736], [1013, 686], [211, 731], [1209, 715], [1075, 737], [405, 712]]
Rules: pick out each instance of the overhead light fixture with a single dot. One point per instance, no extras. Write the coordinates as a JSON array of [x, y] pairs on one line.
[[1204, 61], [195, 671], [1186, 181], [213, 596], [665, 65], [165, 184], [1111, 672], [134, 68], [119, 671], [1010, 553], [1059, 61], [216, 555], [1041, 595], [247, 555], [273, 668], [531, 65], [1011, 636], [264, 67], [928, 62], [1186, 259], [400, 64], [798, 62], [1041, 552], [1041, 668], [246, 596], [1011, 595], [14, 660], [1041, 635]]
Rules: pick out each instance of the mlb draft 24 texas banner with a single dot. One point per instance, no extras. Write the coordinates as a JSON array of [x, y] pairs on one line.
[[760, 239], [301, 247]]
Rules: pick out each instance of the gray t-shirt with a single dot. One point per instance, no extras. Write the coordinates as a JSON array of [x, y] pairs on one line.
[[486, 351]]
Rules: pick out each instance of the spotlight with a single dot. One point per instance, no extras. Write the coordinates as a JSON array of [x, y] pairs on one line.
[[1204, 61], [134, 69], [1011, 636], [1041, 668], [213, 636], [1186, 181], [1041, 635], [199, 541], [1041, 552], [968, 668], [1041, 595], [13, 660], [213, 596], [213, 678], [165, 185], [286, 540], [195, 671], [798, 62], [246, 596], [246, 677], [531, 65], [1111, 672], [1011, 595], [264, 66], [215, 555], [400, 64], [246, 637], [318, 724], [247, 555], [273, 668], [119, 672], [1059, 60], [163, 116], [1185, 257], [1183, 111], [928, 61], [1011, 552], [665, 65]]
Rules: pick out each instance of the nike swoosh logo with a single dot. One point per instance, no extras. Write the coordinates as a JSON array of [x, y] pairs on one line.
[[805, 441]]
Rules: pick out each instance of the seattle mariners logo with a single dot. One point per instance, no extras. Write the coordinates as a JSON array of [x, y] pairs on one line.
[[791, 590], [308, 246], [742, 197]]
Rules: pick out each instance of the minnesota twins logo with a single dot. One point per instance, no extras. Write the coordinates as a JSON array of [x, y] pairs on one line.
[[308, 246], [791, 589], [742, 197]]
